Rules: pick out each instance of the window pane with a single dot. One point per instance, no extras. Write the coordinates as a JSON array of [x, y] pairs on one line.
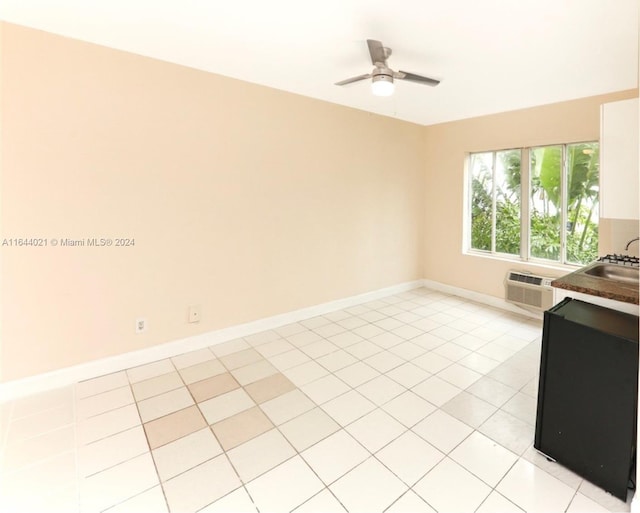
[[546, 197], [582, 202], [508, 202], [481, 199]]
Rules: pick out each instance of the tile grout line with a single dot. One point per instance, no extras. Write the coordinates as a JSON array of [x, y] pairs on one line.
[[224, 451], [210, 428], [81, 478], [144, 431]]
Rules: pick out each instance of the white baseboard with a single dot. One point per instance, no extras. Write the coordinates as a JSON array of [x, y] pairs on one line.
[[70, 375], [478, 297]]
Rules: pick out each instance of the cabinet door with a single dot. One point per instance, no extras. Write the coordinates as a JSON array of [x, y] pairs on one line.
[[619, 172]]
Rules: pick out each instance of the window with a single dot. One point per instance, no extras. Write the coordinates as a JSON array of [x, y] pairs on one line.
[[546, 210]]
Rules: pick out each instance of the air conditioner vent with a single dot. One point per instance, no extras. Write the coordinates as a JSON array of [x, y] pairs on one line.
[[528, 290], [525, 278]]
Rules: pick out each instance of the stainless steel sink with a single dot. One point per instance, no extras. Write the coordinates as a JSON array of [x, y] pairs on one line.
[[620, 273]]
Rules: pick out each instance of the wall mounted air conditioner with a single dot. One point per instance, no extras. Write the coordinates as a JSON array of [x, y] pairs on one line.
[[529, 290]]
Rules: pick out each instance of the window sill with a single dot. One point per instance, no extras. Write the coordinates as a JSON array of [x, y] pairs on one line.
[[563, 268]]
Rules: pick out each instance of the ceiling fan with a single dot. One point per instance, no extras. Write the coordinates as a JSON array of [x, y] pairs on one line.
[[382, 76]]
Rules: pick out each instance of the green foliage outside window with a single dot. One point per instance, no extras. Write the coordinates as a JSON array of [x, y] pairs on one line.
[[545, 202]]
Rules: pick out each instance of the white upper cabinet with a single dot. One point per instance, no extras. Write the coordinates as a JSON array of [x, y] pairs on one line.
[[619, 172]]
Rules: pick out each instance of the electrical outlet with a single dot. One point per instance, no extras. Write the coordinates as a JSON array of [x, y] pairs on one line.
[[195, 312], [141, 325]]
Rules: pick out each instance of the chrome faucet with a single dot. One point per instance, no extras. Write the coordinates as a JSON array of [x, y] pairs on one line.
[[626, 248]]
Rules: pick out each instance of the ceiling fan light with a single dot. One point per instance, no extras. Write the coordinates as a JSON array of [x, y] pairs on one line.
[[382, 85]]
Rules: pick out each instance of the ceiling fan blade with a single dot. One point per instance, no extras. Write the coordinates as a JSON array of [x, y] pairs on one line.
[[412, 77], [353, 79], [376, 50]]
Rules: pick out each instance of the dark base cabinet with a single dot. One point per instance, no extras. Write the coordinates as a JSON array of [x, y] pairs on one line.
[[588, 392]]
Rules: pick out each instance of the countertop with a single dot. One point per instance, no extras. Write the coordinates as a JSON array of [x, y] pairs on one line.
[[578, 281]]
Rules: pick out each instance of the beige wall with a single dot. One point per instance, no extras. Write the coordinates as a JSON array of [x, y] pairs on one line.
[[615, 234], [245, 200], [447, 145]]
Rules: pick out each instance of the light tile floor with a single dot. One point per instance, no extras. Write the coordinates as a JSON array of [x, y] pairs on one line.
[[416, 402]]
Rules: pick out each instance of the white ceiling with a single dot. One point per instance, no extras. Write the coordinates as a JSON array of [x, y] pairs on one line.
[[491, 55]]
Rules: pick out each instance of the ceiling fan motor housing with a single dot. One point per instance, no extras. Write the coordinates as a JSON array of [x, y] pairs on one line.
[[382, 74]]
